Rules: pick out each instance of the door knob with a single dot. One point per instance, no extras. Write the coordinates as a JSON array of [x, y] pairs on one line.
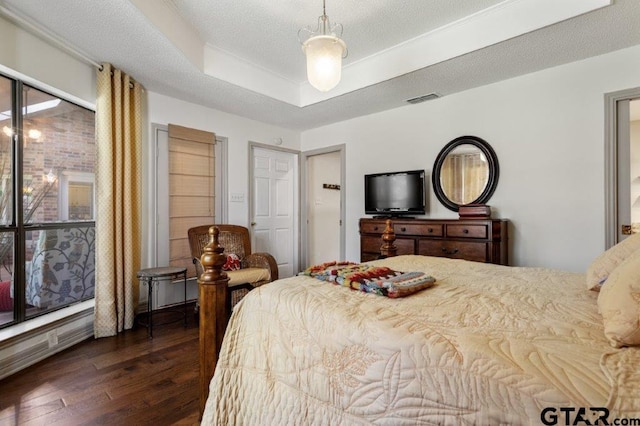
[[253, 224]]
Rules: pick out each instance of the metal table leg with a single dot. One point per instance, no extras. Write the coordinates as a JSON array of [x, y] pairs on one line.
[[152, 276]]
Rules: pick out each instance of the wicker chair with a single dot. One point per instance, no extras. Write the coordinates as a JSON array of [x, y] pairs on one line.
[[256, 268]]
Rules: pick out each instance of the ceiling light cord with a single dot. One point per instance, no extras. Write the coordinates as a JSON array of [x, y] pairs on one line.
[[325, 18]]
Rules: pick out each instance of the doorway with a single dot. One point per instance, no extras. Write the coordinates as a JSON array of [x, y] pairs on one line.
[[157, 242], [622, 165], [274, 205], [323, 205]]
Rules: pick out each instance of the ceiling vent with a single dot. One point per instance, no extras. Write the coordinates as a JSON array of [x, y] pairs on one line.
[[423, 98]]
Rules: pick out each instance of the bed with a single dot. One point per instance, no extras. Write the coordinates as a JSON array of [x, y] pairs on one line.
[[487, 344]]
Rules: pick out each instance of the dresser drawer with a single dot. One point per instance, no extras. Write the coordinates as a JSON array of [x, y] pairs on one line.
[[429, 230], [372, 228], [405, 246], [480, 240], [366, 257], [370, 244], [453, 249], [373, 244], [467, 231]]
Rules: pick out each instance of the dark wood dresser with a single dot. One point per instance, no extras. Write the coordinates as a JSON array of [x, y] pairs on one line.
[[480, 240]]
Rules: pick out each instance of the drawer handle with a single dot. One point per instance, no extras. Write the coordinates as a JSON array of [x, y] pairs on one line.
[[375, 228], [465, 231], [403, 229], [453, 251], [430, 230]]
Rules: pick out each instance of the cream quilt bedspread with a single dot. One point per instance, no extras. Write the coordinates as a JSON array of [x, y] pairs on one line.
[[487, 344]]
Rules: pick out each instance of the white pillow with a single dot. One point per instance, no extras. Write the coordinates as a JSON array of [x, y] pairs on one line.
[[603, 265], [619, 303]]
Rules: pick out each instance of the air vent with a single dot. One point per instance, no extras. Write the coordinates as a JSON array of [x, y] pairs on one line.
[[423, 98]]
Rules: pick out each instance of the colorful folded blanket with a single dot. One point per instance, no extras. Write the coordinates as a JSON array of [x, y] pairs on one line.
[[371, 279]]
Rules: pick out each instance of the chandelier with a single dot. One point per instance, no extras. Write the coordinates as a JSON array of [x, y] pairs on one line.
[[324, 50]]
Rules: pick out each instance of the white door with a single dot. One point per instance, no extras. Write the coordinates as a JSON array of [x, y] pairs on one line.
[[274, 207], [628, 167], [323, 203]]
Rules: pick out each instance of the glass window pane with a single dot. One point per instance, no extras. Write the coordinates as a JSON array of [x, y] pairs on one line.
[[77, 196], [6, 277], [60, 268], [80, 200], [59, 140], [6, 166]]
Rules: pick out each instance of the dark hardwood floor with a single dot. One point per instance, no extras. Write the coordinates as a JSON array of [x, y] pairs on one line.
[[127, 379]]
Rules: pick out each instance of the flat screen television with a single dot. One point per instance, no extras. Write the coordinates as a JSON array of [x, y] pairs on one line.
[[395, 193]]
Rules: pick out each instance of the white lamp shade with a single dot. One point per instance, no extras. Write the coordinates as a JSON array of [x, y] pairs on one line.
[[324, 61]]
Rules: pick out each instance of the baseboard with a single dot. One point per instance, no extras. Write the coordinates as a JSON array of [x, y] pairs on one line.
[[142, 306], [22, 351]]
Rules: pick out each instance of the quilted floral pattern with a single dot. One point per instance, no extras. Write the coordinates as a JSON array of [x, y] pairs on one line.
[[489, 344], [604, 265], [344, 367], [619, 302]]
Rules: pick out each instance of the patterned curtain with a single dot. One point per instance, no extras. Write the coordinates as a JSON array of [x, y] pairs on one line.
[[118, 180]]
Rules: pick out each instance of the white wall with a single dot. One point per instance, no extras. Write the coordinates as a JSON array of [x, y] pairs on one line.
[[27, 57], [239, 131], [547, 129]]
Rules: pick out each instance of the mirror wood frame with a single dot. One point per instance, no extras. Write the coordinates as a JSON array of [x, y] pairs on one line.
[[492, 162]]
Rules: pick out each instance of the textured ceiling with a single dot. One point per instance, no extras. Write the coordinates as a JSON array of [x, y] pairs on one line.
[[264, 34]]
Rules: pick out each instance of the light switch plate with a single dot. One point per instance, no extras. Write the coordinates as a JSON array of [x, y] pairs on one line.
[[237, 197]]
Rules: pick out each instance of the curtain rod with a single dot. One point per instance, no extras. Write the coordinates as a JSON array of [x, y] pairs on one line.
[[46, 35]]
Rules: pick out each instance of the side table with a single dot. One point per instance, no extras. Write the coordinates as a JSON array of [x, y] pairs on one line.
[[153, 276]]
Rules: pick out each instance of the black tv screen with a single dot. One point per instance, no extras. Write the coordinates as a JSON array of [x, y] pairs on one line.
[[395, 193]]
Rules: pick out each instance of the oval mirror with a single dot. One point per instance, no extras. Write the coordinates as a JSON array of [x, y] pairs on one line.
[[465, 172]]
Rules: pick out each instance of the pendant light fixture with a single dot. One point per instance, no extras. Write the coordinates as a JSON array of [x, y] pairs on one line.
[[324, 50]]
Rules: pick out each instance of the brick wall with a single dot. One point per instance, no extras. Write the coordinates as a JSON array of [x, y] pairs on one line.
[[67, 144]]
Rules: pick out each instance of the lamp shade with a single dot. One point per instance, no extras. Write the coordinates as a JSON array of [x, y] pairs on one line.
[[324, 61]]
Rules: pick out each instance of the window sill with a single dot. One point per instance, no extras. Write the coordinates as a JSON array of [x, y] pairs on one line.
[[43, 320]]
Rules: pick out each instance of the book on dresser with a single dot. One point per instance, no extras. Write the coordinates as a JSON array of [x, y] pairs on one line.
[[480, 240]]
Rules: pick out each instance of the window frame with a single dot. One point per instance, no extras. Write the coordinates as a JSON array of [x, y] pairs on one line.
[[16, 225]]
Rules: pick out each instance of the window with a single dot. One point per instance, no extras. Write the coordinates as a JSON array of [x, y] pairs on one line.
[[77, 195], [47, 155]]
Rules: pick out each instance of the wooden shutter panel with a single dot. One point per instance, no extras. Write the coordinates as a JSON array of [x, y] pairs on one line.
[[191, 189]]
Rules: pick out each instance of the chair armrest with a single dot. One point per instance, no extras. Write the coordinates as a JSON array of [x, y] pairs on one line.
[[199, 268], [262, 260]]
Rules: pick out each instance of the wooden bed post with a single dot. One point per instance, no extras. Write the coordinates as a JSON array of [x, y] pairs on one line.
[[388, 249], [214, 313]]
